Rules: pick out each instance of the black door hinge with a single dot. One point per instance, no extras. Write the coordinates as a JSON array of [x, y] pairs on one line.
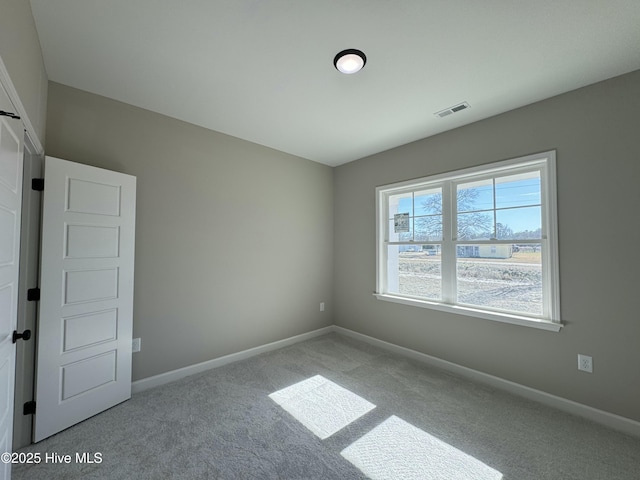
[[29, 408], [37, 184], [9, 114], [33, 294]]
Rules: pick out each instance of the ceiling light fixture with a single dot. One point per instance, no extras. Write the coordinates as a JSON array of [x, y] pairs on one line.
[[350, 61]]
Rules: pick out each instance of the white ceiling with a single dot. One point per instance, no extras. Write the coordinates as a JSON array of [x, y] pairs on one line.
[[262, 70]]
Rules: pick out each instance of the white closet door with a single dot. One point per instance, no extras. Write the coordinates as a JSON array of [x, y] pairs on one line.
[[86, 304], [11, 143]]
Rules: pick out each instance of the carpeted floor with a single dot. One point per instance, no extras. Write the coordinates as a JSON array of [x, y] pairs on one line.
[[224, 424]]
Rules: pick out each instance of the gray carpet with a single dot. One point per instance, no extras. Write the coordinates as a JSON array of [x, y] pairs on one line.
[[223, 424]]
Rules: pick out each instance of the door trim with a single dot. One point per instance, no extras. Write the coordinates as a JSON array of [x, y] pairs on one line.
[[27, 311], [6, 82]]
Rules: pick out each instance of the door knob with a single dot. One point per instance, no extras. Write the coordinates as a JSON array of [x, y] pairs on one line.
[[26, 335]]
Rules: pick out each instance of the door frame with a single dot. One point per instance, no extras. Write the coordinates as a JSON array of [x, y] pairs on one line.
[[37, 149], [11, 91], [27, 310]]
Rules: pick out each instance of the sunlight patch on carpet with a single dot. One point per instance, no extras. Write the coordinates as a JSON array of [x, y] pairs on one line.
[[321, 405], [396, 449]]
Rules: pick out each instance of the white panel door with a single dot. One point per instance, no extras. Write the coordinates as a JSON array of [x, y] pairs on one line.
[[86, 304], [11, 137]]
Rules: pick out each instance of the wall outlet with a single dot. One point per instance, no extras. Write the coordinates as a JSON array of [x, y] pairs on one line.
[[136, 345], [585, 363], [322, 306]]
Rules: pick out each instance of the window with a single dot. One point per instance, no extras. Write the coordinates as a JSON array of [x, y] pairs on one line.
[[480, 241]]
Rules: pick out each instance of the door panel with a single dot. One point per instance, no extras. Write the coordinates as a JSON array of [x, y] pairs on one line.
[[83, 331], [82, 286], [93, 197], [88, 374], [86, 305], [11, 136], [86, 241]]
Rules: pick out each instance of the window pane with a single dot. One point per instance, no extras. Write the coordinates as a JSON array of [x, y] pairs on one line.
[[401, 203], [428, 202], [518, 190], [414, 270], [521, 223], [503, 277], [475, 226], [474, 196], [428, 229]]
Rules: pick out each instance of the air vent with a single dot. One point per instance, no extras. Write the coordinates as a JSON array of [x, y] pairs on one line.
[[454, 109]]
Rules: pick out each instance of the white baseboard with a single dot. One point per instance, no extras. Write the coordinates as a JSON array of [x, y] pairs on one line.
[[167, 377], [611, 420]]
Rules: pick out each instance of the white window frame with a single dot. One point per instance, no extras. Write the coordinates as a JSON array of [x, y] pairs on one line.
[[545, 163]]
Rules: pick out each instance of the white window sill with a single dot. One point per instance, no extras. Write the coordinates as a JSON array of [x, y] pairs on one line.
[[472, 312]]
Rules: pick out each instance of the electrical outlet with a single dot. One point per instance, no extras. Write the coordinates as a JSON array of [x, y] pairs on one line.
[[136, 345], [322, 306], [585, 363]]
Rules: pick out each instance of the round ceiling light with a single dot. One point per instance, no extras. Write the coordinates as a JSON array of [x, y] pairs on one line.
[[350, 61]]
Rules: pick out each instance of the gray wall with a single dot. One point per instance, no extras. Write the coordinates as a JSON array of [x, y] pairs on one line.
[[22, 57], [596, 131], [234, 241]]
